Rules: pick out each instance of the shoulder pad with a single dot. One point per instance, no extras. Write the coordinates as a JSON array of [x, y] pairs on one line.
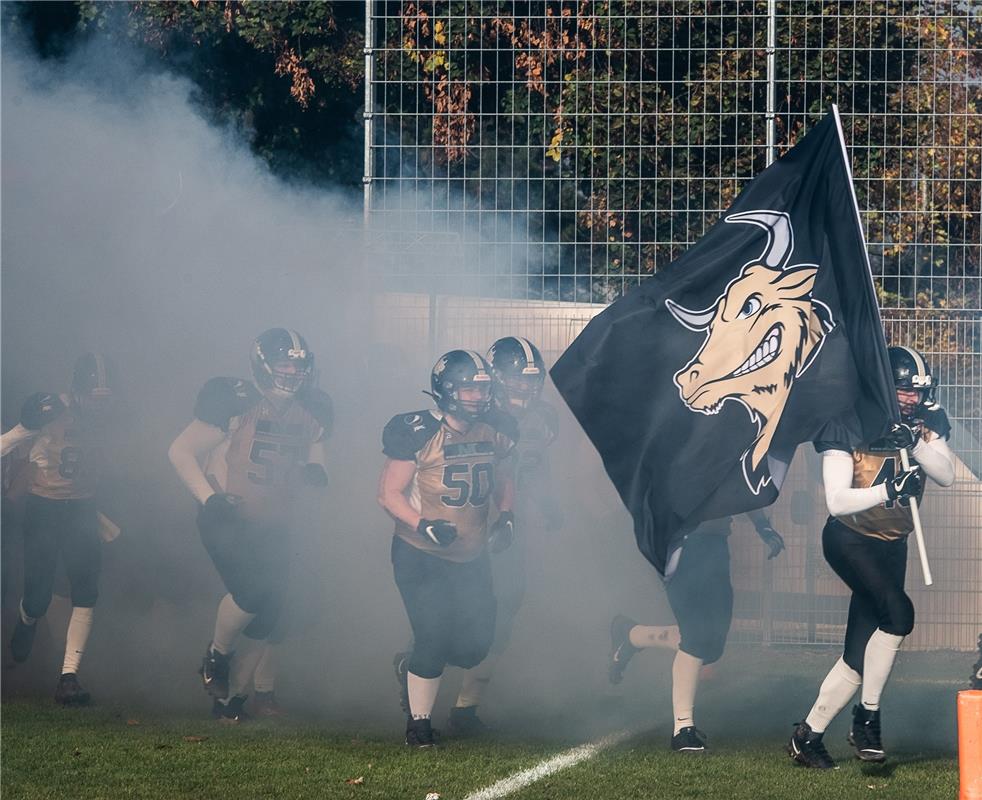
[[503, 423], [406, 434], [319, 405], [936, 419], [222, 399]]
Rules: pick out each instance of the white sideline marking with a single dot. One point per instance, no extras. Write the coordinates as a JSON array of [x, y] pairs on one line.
[[543, 769]]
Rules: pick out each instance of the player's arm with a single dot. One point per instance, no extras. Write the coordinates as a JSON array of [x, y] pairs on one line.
[[186, 451], [393, 484], [504, 485], [770, 537], [15, 437], [315, 470], [319, 405], [934, 455], [840, 496]]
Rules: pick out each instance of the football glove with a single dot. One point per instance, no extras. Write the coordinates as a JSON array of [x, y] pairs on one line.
[[315, 475], [438, 531], [40, 409], [902, 436], [976, 679], [502, 532], [219, 509], [772, 539], [905, 484]]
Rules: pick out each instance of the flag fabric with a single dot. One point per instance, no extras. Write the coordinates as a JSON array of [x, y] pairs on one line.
[[697, 386]]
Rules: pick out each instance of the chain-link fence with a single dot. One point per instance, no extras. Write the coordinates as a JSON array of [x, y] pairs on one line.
[[528, 162]]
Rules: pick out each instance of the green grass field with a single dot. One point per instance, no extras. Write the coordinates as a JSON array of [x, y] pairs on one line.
[[109, 751]]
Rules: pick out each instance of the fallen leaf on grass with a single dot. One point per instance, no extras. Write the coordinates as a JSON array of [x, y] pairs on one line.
[[432, 796], [161, 746], [355, 781], [195, 738], [132, 722]]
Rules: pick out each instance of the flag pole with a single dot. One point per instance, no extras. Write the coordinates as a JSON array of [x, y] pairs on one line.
[[918, 532], [904, 458]]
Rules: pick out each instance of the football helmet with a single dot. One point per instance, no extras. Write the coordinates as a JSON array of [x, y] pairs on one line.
[[518, 369], [911, 372], [282, 364], [92, 382], [456, 370]]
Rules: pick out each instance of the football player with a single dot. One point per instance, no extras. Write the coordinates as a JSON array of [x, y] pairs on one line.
[[865, 542], [700, 593], [243, 456], [66, 433], [518, 372], [443, 470]]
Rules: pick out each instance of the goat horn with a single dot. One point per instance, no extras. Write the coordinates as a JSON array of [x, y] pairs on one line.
[[780, 237], [693, 320]]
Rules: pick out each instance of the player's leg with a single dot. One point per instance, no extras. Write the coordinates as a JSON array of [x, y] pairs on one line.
[[628, 637], [82, 552], [227, 546], [475, 615], [423, 582], [509, 585], [41, 543], [701, 596]]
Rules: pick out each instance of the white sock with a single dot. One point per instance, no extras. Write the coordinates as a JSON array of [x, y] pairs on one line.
[[685, 682], [26, 618], [79, 628], [881, 650], [229, 623], [244, 666], [644, 636], [475, 681], [264, 679], [422, 695], [834, 695]]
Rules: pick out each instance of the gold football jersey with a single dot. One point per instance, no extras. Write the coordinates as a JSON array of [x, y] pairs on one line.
[[66, 458], [537, 430], [455, 475], [892, 519]]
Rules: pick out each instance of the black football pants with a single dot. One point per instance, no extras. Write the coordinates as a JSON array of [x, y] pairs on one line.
[[68, 527], [253, 562], [451, 608], [875, 570], [701, 595]]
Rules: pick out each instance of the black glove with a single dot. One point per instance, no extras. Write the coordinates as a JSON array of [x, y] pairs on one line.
[[219, 509], [438, 531], [773, 540], [502, 532], [905, 484], [903, 435], [40, 409], [976, 679], [315, 475]]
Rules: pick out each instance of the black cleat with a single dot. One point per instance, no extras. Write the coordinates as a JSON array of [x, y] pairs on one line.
[[689, 740], [70, 691], [214, 673], [264, 704], [400, 663], [621, 649], [865, 735], [465, 722], [420, 733], [807, 748], [22, 641], [230, 712], [975, 682]]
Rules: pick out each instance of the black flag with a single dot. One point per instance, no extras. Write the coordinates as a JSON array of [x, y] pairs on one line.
[[697, 386]]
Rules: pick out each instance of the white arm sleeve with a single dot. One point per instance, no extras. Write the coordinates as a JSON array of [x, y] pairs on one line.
[[840, 496], [936, 460], [317, 453], [193, 442], [14, 437]]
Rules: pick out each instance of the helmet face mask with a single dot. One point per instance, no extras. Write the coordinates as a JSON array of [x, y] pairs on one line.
[[914, 382], [282, 364], [519, 371], [461, 385]]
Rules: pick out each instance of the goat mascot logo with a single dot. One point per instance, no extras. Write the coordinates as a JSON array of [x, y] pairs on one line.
[[762, 333]]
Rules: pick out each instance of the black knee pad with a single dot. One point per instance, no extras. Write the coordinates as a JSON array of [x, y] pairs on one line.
[[426, 665], [708, 652], [84, 597], [901, 611], [36, 607]]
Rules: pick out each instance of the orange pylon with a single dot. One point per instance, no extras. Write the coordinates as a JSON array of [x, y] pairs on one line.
[[970, 744]]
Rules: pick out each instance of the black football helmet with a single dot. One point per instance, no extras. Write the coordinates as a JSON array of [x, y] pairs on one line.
[[92, 382], [282, 364], [457, 370], [911, 372], [518, 370]]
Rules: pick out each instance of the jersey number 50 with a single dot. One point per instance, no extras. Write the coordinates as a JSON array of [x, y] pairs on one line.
[[473, 484]]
